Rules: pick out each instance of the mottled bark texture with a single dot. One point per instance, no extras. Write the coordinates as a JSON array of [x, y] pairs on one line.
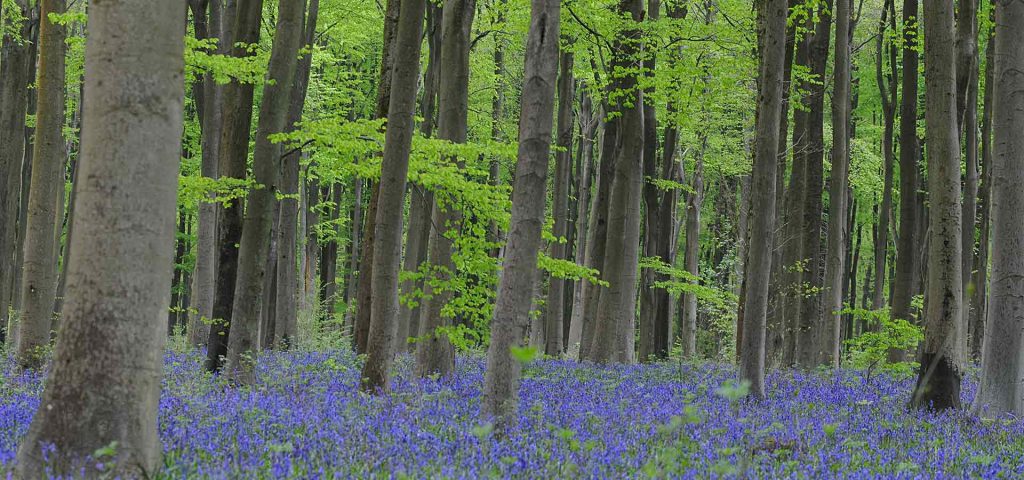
[[236, 121], [387, 250], [772, 39], [1000, 389], [254, 246], [39, 285], [104, 384], [512, 307], [942, 355], [435, 353]]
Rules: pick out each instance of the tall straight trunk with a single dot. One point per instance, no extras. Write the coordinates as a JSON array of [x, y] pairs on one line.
[[835, 261], [555, 306], [1000, 389], [585, 177], [979, 314], [512, 307], [887, 92], [176, 284], [497, 110], [772, 16], [104, 384], [942, 355], [616, 308], [364, 291], [39, 282], [329, 252], [421, 200], [908, 247], [311, 255], [14, 80], [811, 279], [236, 121], [435, 354], [254, 246], [598, 234], [967, 119], [351, 286], [387, 250], [287, 274]]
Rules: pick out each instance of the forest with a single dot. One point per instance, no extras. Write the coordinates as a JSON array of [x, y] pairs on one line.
[[511, 239]]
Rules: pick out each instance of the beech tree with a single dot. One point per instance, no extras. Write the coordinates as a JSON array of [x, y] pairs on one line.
[[104, 383]]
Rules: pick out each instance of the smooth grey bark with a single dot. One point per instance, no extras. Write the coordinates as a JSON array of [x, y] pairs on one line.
[[691, 251], [421, 200], [616, 308], [233, 152], [887, 89], [772, 39], [288, 289], [1000, 389], [967, 119], [942, 355], [254, 246], [830, 333], [14, 80], [47, 188], [979, 315], [589, 122], [205, 274], [104, 383], [387, 250], [512, 307], [554, 324], [435, 353]]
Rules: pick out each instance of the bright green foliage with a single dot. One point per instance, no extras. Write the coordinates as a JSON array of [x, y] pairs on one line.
[[870, 350]]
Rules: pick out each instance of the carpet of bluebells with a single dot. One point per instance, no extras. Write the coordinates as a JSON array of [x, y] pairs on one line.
[[307, 419]]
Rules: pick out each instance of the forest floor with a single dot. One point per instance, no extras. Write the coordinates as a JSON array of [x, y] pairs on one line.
[[307, 419]]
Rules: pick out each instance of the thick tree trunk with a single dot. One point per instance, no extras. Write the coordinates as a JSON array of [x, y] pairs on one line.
[[835, 267], [512, 307], [46, 190], [14, 81], [104, 384], [236, 121], [254, 246], [999, 389], [435, 354], [772, 16], [555, 306], [942, 356], [616, 309], [908, 247], [387, 250]]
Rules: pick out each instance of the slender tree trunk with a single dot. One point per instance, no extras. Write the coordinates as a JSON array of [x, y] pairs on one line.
[[908, 247], [236, 121], [967, 119], [47, 188], [555, 306], [999, 387], [772, 16], [254, 246], [979, 314], [888, 93], [387, 250], [177, 285], [435, 354], [287, 274], [835, 267], [942, 362], [14, 81], [589, 122], [104, 384], [512, 307]]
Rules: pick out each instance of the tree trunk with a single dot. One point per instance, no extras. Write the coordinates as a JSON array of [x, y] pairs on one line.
[[387, 250], [236, 121], [908, 246], [555, 306], [435, 354], [46, 190], [835, 267], [772, 16], [999, 386], [254, 246], [512, 307], [104, 383], [176, 285], [979, 314], [616, 308], [888, 93], [14, 82], [588, 131], [942, 362], [967, 119]]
